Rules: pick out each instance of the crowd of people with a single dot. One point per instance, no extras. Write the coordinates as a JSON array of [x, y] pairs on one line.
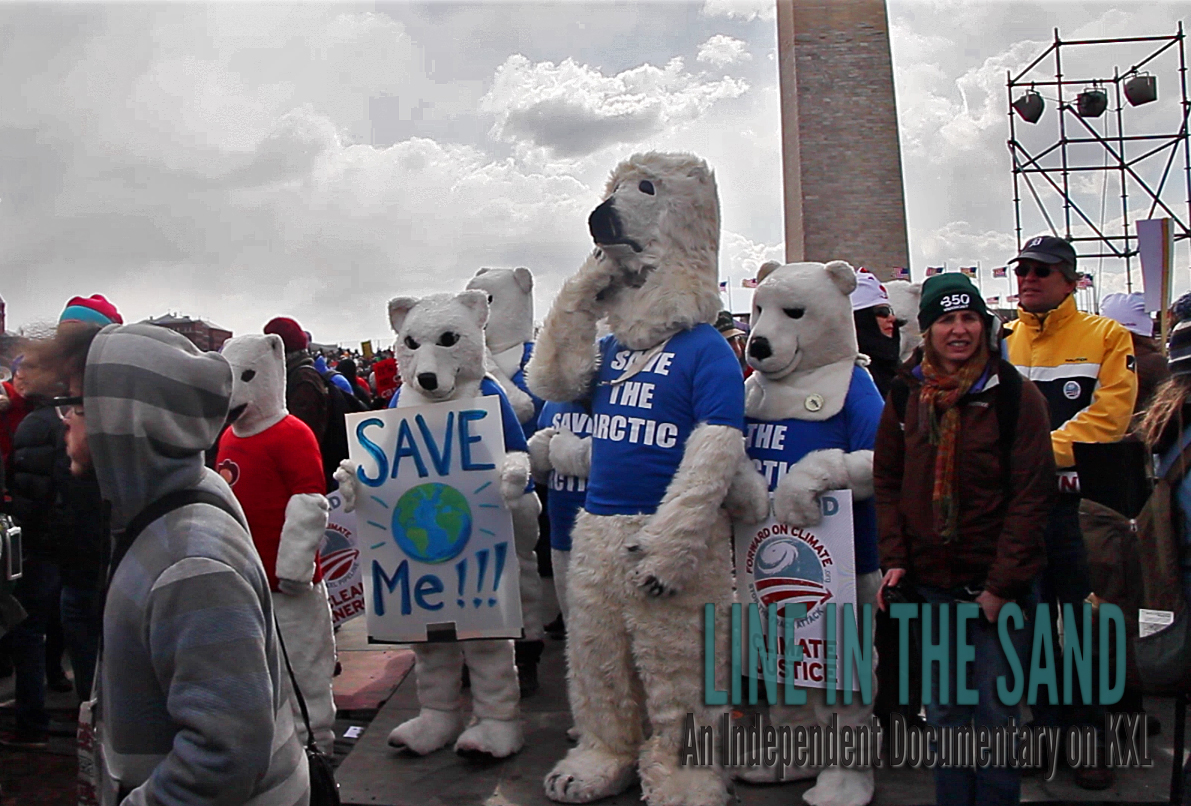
[[977, 500]]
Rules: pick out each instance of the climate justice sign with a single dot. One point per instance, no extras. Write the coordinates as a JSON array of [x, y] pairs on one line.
[[778, 564], [436, 539]]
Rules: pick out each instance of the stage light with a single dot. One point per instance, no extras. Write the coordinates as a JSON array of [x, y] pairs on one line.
[[1091, 103], [1141, 89], [1030, 106]]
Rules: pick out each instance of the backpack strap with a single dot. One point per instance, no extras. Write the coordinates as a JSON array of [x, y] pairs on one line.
[[158, 509]]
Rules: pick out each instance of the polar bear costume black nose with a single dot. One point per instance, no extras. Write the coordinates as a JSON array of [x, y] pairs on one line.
[[759, 348], [428, 381], [604, 225]]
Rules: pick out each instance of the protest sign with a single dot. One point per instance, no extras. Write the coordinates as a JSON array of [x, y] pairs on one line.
[[777, 563], [436, 538], [339, 557]]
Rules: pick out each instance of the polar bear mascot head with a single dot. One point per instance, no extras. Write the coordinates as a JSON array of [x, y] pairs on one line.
[[659, 225], [904, 297], [440, 344], [258, 382], [510, 306], [802, 341]]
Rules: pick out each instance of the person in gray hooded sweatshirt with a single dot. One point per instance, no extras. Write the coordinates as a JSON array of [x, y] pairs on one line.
[[192, 709]]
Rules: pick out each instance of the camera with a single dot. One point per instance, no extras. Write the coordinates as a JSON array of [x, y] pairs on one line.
[[11, 553]]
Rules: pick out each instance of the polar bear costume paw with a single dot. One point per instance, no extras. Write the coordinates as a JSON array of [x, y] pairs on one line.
[[664, 783], [491, 738], [539, 454], [514, 475], [428, 731], [345, 474], [796, 499], [748, 496], [769, 775], [588, 774], [840, 787]]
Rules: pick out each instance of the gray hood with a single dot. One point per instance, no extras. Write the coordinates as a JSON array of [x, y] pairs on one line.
[[154, 402]]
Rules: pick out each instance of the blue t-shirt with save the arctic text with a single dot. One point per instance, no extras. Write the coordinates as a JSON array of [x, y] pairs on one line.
[[640, 425], [776, 445], [514, 436], [567, 493]]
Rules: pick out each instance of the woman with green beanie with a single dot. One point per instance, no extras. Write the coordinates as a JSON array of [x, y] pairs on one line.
[[964, 472]]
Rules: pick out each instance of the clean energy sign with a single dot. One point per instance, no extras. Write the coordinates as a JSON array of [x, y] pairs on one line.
[[435, 537]]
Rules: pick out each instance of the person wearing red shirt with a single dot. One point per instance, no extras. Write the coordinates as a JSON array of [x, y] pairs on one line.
[[272, 462]]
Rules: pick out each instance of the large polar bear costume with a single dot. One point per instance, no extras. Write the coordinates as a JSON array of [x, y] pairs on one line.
[[272, 461], [509, 339], [651, 547], [440, 350], [811, 415]]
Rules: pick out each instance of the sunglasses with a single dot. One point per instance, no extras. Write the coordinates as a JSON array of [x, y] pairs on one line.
[[1041, 272], [883, 311], [65, 406]]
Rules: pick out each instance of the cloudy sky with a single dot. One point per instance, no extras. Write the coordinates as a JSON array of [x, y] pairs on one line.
[[238, 161]]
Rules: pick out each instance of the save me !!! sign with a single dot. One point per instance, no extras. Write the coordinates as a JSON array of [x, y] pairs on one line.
[[435, 536]]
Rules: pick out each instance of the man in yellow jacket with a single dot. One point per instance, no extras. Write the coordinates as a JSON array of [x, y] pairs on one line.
[[1085, 367]]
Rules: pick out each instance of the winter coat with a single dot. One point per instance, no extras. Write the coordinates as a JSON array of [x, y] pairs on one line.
[[193, 706], [999, 542], [305, 393], [10, 418], [1152, 369], [37, 444]]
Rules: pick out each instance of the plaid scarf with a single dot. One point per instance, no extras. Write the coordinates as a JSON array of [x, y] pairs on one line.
[[937, 404]]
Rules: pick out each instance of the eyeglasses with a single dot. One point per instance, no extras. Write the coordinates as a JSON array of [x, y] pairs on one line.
[[883, 311], [1041, 272], [66, 406]]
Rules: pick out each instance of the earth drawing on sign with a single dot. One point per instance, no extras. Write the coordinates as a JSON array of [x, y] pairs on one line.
[[432, 522]]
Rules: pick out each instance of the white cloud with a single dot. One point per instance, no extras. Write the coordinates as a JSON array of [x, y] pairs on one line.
[[573, 109], [746, 10], [722, 50]]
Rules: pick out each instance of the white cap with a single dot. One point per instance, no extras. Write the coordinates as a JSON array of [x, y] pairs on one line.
[[1130, 311], [869, 291]]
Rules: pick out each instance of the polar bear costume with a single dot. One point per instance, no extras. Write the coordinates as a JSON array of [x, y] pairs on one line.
[[272, 461], [811, 414], [904, 297], [651, 547], [440, 350], [508, 336]]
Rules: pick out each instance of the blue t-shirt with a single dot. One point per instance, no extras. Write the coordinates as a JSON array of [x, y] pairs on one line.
[[531, 425], [640, 426], [567, 493], [774, 446], [514, 437]]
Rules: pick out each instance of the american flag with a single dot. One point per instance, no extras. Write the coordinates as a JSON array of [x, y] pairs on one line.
[[968, 271], [933, 270], [1012, 298], [992, 300], [901, 273], [749, 282], [723, 285], [1001, 271], [1085, 281]]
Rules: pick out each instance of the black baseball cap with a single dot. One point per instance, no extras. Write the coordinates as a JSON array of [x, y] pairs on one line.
[[1051, 250]]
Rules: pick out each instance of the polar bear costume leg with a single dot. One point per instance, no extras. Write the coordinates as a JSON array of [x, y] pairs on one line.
[[438, 669], [525, 511], [560, 561], [496, 729], [305, 622]]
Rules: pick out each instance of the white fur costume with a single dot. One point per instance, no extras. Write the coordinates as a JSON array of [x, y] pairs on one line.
[[508, 337], [903, 298], [639, 582], [808, 393], [302, 610], [440, 350]]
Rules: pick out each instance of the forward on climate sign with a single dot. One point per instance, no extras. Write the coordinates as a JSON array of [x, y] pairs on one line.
[[436, 539]]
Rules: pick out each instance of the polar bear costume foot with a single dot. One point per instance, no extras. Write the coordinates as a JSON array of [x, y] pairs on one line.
[[769, 775], [589, 773], [491, 738], [664, 783], [428, 731], [840, 787]]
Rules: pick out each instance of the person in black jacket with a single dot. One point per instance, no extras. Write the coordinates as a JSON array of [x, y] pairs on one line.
[[33, 496]]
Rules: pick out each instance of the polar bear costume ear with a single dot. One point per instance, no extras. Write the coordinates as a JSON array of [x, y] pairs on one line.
[[476, 302], [399, 308], [524, 278], [481, 271], [843, 275], [276, 345], [767, 268]]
